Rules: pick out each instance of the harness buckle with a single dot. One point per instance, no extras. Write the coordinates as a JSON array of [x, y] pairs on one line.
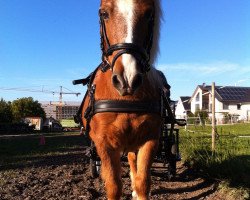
[[104, 66]]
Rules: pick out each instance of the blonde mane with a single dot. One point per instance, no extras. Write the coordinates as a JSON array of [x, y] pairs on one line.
[[157, 25], [153, 76]]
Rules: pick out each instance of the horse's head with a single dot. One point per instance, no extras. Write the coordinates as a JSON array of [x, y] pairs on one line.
[[126, 37]]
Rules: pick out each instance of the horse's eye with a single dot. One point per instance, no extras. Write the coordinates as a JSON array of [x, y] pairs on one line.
[[103, 14]]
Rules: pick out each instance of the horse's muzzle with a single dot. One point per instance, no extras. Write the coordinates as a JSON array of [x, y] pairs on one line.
[[123, 87]]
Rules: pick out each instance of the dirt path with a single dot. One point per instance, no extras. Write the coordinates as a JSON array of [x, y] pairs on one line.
[[67, 176]]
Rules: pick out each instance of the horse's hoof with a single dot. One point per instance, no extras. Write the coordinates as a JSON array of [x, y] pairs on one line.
[[134, 195]]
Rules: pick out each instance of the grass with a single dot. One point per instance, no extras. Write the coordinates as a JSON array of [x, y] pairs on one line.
[[229, 129], [231, 160], [233, 193], [21, 149]]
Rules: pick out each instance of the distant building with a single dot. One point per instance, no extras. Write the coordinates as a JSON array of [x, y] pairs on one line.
[[37, 122], [233, 100], [50, 124], [200, 98], [59, 110], [183, 107]]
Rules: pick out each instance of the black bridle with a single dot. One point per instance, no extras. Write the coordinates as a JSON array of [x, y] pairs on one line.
[[142, 54]]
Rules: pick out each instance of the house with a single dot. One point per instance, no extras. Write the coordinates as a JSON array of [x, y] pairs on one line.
[[51, 124], [233, 100], [182, 107], [37, 122]]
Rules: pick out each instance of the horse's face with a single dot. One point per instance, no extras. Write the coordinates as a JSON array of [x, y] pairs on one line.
[[129, 22]]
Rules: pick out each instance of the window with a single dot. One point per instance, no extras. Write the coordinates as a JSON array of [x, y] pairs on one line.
[[197, 107], [197, 97], [238, 106], [225, 106]]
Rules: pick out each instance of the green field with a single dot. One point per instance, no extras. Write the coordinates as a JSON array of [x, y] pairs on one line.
[[231, 160], [69, 123], [24, 150]]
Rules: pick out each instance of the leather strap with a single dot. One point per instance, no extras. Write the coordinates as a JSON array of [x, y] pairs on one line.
[[141, 52], [127, 106]]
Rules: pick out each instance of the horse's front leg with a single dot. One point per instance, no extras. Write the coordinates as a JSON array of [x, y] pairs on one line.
[[111, 172], [145, 158], [133, 171]]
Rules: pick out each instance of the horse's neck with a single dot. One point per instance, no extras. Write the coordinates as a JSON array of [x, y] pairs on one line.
[[150, 89]]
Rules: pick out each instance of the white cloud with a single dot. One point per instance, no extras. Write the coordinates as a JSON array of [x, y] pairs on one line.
[[213, 68], [184, 77]]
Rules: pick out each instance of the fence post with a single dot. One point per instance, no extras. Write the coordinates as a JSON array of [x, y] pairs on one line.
[[213, 117], [186, 122]]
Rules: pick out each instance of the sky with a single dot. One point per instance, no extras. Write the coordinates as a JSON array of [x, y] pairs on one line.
[[45, 44]]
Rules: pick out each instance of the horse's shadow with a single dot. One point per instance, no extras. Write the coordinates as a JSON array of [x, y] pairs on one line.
[[186, 181], [197, 185]]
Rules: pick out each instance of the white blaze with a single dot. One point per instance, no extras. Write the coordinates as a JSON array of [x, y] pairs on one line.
[[126, 7]]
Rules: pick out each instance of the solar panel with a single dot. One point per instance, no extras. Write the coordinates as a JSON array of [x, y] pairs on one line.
[[233, 93]]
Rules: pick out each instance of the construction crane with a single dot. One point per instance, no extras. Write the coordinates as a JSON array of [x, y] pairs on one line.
[[61, 93], [60, 105], [26, 89]]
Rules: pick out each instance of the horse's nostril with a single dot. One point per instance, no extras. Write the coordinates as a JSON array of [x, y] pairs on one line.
[[137, 81], [115, 80], [118, 81], [122, 87]]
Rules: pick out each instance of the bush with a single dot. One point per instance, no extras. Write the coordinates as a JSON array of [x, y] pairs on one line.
[[5, 112], [203, 115]]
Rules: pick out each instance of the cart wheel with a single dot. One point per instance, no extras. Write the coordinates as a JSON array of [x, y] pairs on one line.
[[171, 170], [174, 149], [93, 168], [172, 167], [170, 176]]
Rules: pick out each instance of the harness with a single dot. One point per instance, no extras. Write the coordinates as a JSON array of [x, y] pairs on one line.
[[119, 106], [142, 55]]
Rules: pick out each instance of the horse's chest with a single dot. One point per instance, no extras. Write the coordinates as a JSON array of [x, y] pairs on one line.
[[125, 129]]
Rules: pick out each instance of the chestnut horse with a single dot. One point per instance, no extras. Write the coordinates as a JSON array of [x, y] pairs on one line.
[[131, 120]]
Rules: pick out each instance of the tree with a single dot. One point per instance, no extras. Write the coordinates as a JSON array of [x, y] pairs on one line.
[[5, 112], [202, 114], [26, 107]]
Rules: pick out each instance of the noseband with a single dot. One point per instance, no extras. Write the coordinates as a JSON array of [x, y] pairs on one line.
[[142, 54]]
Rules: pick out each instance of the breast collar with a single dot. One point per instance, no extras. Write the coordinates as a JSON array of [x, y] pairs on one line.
[[114, 106]]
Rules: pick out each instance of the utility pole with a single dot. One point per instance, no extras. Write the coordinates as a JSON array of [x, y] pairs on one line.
[[60, 104], [213, 117]]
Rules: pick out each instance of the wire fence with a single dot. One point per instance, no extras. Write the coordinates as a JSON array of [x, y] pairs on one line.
[[198, 121]]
